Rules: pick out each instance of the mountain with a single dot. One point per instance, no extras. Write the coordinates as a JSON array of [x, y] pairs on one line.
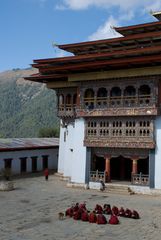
[[25, 107]]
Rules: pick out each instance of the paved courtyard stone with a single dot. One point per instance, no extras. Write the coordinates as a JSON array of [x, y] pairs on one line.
[[30, 212]]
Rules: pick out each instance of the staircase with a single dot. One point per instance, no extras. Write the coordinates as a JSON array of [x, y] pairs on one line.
[[61, 177], [118, 189]]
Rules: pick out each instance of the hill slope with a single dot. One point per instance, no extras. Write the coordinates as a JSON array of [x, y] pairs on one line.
[[25, 107]]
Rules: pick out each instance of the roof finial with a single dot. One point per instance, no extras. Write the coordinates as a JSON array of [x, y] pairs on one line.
[[54, 44]]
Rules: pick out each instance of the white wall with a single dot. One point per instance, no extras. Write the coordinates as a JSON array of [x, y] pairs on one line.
[[62, 146], [79, 153], [65, 150], [16, 155], [158, 153], [72, 153], [68, 157]]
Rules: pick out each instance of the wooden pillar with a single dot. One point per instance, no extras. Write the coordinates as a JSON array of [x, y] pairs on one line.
[[78, 97], [135, 165], [107, 168]]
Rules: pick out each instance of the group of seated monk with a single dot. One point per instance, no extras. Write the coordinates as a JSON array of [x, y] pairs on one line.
[[80, 212], [120, 212]]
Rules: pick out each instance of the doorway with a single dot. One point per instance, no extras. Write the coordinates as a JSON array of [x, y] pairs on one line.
[[100, 164], [121, 168], [23, 164], [34, 164]]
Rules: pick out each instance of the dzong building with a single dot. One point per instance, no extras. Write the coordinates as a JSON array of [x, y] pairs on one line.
[[109, 105]]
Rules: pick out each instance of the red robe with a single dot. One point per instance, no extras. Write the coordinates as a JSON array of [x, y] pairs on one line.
[[128, 213], [115, 210], [135, 215], [98, 209], [69, 212], [85, 217], [76, 207], [107, 209], [113, 220], [101, 219], [77, 215], [46, 172], [121, 212], [92, 217]]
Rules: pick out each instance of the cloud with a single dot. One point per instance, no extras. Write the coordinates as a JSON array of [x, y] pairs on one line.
[[126, 10], [155, 6], [106, 30], [122, 4], [58, 53]]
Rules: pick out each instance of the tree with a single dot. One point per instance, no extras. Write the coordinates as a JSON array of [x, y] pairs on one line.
[[48, 132]]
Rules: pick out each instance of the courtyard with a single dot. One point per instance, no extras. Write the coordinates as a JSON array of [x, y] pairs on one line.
[[30, 212]]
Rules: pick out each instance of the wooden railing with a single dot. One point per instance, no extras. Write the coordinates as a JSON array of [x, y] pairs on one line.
[[119, 101], [67, 110], [140, 179], [96, 176]]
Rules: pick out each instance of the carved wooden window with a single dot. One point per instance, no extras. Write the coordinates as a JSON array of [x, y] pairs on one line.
[[119, 128], [61, 99], [68, 99], [61, 102], [144, 95], [130, 128], [74, 99], [115, 97], [129, 96], [89, 98], [68, 102], [116, 128], [92, 128], [144, 128], [102, 97]]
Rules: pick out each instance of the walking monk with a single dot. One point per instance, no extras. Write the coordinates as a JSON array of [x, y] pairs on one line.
[[46, 174]]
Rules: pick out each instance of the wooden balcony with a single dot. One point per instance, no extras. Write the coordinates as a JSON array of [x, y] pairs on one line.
[[66, 111], [120, 106], [115, 142], [120, 132]]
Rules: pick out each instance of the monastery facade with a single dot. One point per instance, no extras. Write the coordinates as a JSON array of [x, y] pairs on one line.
[[109, 103]]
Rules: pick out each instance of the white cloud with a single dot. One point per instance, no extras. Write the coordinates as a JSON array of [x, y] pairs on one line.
[[122, 4], [155, 6], [126, 11], [58, 53], [106, 30]]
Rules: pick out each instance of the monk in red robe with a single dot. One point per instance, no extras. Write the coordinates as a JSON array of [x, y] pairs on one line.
[[114, 219], [121, 212], [98, 209], [115, 210], [128, 213], [107, 209], [135, 215], [101, 219], [92, 217], [85, 217]]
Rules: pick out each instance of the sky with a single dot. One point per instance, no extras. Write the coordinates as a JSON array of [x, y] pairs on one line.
[[31, 29]]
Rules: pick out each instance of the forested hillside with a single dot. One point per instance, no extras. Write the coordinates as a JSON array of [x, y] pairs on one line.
[[25, 107]]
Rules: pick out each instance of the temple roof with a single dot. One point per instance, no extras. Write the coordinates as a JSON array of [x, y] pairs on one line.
[[111, 44], [157, 15], [140, 28], [141, 47]]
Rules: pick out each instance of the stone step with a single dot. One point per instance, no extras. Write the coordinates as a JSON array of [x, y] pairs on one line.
[[118, 189], [66, 179], [117, 192], [62, 177], [57, 174]]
